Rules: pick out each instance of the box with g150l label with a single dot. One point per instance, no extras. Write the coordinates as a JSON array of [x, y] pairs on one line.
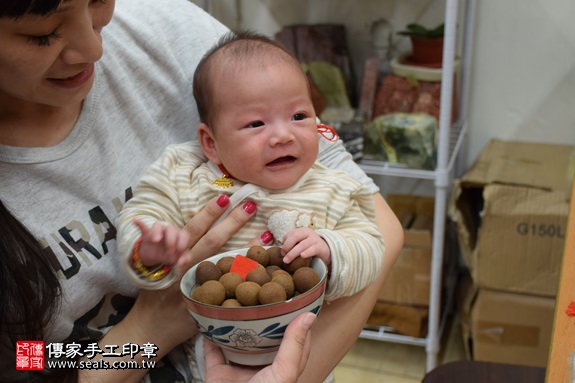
[[510, 210]]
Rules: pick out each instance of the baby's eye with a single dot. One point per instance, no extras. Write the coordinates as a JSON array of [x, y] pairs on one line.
[[44, 40], [255, 124], [299, 116]]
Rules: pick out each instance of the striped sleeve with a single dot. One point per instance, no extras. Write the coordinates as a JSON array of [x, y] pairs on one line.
[[356, 245], [156, 198]]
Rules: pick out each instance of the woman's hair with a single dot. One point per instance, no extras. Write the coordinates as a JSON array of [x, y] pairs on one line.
[[18, 8], [29, 288]]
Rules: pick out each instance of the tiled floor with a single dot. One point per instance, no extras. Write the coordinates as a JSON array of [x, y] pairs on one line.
[[371, 361]]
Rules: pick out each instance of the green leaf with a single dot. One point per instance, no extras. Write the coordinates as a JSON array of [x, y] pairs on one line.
[[439, 31], [418, 30]]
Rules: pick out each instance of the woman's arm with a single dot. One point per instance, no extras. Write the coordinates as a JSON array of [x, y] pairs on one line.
[[356, 245], [158, 317], [341, 321]]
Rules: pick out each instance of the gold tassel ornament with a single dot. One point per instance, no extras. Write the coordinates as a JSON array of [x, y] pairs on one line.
[[224, 181]]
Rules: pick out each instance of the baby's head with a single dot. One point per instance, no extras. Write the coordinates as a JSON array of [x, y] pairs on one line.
[[257, 117]]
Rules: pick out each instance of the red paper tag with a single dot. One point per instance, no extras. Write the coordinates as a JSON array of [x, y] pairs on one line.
[[242, 266]]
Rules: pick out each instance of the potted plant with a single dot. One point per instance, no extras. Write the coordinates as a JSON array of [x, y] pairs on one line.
[[427, 44]]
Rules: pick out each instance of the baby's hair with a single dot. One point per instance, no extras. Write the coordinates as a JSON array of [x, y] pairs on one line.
[[234, 47]]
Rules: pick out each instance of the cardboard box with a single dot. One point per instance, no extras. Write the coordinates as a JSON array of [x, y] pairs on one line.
[[511, 328], [465, 294], [404, 299], [510, 212], [404, 319], [409, 280]]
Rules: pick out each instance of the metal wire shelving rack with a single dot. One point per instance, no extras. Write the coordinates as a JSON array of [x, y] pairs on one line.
[[449, 146]]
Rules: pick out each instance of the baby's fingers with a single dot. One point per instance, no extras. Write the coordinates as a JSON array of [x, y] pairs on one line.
[[141, 225], [156, 232]]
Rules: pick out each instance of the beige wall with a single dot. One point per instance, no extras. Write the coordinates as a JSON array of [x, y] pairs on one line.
[[523, 83]]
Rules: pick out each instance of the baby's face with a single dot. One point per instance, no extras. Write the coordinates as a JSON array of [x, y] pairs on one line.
[[264, 124]]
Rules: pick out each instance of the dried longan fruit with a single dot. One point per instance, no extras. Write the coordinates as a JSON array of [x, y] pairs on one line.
[[231, 281], [275, 256], [231, 303], [279, 272], [287, 283], [271, 268], [271, 292], [225, 264], [207, 271], [211, 293], [305, 278], [247, 293], [296, 264], [258, 254], [259, 276]]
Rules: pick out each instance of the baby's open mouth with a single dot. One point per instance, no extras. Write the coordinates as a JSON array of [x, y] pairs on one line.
[[281, 161]]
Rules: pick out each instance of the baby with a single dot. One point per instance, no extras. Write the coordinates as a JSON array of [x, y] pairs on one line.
[[259, 132]]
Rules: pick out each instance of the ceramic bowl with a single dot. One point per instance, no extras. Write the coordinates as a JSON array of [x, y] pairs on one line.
[[250, 335]]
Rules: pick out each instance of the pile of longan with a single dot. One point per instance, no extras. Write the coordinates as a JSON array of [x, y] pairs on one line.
[[272, 281]]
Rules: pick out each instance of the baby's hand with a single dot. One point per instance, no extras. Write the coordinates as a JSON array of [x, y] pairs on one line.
[[305, 242], [161, 244]]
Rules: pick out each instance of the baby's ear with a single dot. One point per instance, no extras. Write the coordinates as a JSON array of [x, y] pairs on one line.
[[207, 143]]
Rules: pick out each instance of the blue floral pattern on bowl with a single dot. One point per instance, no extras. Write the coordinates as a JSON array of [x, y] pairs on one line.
[[240, 339]]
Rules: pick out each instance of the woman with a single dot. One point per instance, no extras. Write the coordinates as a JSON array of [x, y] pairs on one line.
[[87, 102]]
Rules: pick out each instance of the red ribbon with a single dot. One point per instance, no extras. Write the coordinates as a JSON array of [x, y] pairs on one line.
[[327, 132]]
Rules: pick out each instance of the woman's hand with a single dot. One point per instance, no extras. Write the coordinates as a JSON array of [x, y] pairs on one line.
[[205, 240], [160, 316], [287, 366]]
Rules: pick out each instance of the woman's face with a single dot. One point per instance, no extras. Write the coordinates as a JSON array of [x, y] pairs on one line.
[[49, 60]]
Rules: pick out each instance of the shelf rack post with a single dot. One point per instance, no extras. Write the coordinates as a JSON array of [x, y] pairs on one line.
[[441, 184]]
